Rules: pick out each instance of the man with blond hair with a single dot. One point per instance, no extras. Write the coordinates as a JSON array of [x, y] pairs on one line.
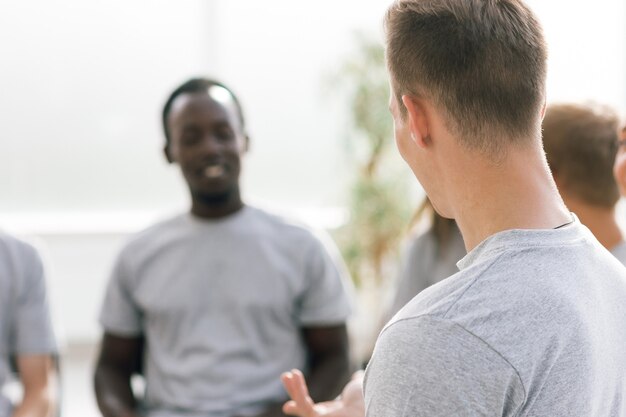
[[581, 143], [533, 323]]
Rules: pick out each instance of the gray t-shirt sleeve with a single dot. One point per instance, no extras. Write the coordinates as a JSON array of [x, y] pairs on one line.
[[417, 264], [120, 314], [326, 298], [434, 367], [32, 325]]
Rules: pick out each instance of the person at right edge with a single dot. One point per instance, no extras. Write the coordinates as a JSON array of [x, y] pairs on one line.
[[581, 143], [533, 322]]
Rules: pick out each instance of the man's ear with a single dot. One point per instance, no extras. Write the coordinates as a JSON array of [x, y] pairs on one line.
[[167, 153], [619, 171], [246, 143], [417, 120], [543, 109], [557, 179]]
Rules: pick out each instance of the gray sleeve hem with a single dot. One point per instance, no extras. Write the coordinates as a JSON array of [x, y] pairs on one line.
[[462, 328], [120, 330], [432, 366], [47, 350], [325, 321]]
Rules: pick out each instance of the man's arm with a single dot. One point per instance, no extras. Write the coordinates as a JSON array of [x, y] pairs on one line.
[[37, 374], [329, 364], [328, 360], [120, 358]]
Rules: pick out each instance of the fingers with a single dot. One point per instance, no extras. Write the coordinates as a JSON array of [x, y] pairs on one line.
[[301, 403], [357, 375], [302, 388], [619, 170], [291, 408], [296, 387]]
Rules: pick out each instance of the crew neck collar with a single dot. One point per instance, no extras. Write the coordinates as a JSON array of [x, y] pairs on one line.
[[242, 212], [497, 243]]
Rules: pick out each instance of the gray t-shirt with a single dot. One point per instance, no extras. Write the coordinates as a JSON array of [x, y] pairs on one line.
[[532, 325], [426, 263], [619, 252], [221, 304], [25, 325]]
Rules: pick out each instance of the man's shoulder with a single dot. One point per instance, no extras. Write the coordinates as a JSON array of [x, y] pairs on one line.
[[619, 252], [525, 297], [544, 285], [12, 246], [438, 299], [534, 307], [20, 263], [282, 227], [155, 235], [275, 219], [529, 280], [160, 227]]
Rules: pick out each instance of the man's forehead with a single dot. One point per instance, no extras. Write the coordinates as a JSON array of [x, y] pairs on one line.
[[214, 98], [221, 95]]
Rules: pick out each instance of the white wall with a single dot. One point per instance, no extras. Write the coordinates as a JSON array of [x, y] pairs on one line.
[[83, 82], [82, 86], [587, 50], [279, 55]]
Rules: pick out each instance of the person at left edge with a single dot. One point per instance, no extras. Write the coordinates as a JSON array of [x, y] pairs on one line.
[[28, 346]]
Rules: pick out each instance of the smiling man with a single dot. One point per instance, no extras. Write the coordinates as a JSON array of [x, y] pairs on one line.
[[212, 305], [533, 322]]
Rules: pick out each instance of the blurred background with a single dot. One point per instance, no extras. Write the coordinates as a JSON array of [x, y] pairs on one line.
[[83, 82]]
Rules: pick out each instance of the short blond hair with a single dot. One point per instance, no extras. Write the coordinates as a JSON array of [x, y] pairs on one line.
[[483, 62], [581, 145]]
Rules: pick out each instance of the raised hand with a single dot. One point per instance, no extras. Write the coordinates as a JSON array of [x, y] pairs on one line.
[[349, 404]]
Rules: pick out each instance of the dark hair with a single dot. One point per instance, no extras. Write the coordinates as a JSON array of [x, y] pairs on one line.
[[581, 145], [482, 62], [196, 85]]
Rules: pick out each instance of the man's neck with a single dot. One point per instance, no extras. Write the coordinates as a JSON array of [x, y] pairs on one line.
[[600, 220], [518, 193], [216, 209], [215, 205]]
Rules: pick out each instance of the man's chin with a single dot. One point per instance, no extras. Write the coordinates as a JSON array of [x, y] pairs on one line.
[[212, 197]]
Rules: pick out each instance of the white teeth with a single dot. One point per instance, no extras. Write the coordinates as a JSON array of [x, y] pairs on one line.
[[214, 171]]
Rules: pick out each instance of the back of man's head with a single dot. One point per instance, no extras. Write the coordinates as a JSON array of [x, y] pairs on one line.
[[481, 62], [581, 144]]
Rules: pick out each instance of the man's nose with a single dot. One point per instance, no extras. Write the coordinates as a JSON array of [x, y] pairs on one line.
[[211, 145]]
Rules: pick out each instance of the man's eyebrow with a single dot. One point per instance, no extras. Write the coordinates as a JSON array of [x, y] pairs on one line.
[[214, 123]]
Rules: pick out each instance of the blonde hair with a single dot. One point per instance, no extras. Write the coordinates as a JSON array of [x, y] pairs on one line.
[[581, 145], [483, 62]]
